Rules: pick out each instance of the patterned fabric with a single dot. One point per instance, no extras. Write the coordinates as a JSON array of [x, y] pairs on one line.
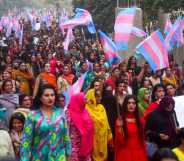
[[88, 79], [45, 139], [23, 78], [16, 140], [75, 140]]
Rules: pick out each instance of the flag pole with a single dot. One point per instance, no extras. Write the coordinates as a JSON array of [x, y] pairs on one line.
[[117, 3], [83, 33]]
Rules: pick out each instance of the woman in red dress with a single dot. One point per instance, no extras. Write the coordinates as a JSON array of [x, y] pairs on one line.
[[129, 138]]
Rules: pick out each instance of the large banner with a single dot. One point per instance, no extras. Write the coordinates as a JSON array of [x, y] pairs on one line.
[[179, 108]]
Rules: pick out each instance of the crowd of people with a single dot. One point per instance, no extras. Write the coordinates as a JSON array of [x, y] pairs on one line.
[[124, 112]]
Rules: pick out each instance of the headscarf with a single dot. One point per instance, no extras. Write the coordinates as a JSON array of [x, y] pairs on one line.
[[102, 135], [164, 103], [110, 105], [141, 102], [10, 102], [170, 117], [82, 121]]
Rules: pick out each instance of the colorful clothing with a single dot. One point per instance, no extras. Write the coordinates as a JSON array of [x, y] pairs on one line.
[[16, 140], [142, 104], [151, 107], [111, 82], [52, 63], [69, 78], [171, 80], [81, 128], [102, 131], [179, 154], [76, 142], [90, 76], [23, 78], [45, 139], [48, 78], [62, 85]]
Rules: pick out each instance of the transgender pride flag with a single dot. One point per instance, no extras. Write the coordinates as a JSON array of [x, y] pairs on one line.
[[179, 34], [75, 88], [168, 26], [110, 49], [5, 21], [175, 35], [123, 28], [154, 51], [82, 17], [138, 32], [69, 38]]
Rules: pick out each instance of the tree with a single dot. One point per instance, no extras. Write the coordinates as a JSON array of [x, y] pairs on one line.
[[102, 11], [151, 7], [10, 4]]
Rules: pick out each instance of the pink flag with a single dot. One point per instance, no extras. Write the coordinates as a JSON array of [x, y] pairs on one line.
[[110, 49], [168, 26], [154, 51], [138, 32], [82, 17], [175, 35], [77, 86], [123, 28], [69, 38]]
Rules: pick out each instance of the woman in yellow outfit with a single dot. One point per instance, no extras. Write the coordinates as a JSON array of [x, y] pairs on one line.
[[102, 131], [179, 151]]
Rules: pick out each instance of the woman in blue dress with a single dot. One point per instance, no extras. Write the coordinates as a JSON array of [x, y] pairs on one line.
[[45, 135]]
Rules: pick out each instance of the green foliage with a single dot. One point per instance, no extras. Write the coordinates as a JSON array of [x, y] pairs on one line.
[[11, 4], [151, 7]]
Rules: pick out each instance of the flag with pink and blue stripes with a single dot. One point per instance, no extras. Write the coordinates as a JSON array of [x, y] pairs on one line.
[[123, 28], [168, 26], [75, 88], [175, 35], [82, 17], [110, 50], [154, 51]]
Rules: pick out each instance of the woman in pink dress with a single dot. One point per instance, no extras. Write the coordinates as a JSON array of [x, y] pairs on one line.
[[80, 129]]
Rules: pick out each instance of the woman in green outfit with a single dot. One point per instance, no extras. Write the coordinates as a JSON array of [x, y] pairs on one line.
[[45, 135], [143, 97]]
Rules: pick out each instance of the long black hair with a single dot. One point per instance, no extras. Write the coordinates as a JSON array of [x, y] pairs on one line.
[[4, 83], [19, 116], [124, 112], [37, 102], [155, 88]]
